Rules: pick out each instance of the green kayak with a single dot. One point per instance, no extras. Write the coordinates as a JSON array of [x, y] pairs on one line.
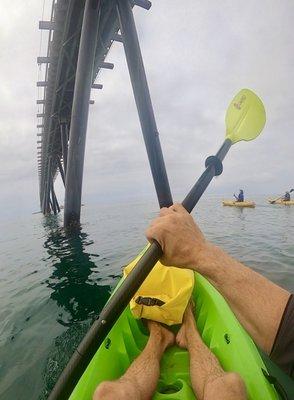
[[221, 332]]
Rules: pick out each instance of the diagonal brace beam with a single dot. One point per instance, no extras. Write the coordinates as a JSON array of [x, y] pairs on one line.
[[143, 102]]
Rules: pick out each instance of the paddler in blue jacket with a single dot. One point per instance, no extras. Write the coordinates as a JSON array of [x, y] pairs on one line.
[[240, 197]]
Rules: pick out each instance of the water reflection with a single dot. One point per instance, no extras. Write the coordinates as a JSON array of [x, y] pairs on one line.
[[77, 287], [76, 282]]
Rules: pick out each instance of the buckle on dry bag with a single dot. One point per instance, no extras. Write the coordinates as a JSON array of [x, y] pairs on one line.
[[149, 301]]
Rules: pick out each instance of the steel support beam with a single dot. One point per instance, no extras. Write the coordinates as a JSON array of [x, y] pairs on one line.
[[143, 3], [42, 84], [64, 143], [61, 170], [43, 60], [118, 38], [40, 101], [47, 25], [97, 86], [56, 202], [106, 65], [53, 206], [143, 102], [41, 115], [43, 199], [64, 83], [46, 203], [79, 116]]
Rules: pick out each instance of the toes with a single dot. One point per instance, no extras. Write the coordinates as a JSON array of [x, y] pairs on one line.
[[180, 338], [181, 343]]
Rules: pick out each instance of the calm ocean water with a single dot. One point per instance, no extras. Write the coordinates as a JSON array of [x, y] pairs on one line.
[[52, 286]]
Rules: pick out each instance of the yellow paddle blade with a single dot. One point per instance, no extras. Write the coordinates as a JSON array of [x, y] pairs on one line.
[[245, 117]]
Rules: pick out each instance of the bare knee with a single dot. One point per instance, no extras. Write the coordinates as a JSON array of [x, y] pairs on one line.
[[229, 386], [235, 383], [106, 391], [114, 390]]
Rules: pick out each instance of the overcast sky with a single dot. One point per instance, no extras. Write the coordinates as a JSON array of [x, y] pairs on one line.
[[197, 55]]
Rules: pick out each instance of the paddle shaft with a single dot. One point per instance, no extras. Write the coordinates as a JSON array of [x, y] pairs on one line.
[[273, 201], [121, 298]]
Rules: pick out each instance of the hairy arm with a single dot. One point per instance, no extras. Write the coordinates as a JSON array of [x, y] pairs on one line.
[[257, 302]]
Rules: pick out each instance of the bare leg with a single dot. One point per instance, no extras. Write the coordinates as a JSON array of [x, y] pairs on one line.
[[208, 379], [140, 380]]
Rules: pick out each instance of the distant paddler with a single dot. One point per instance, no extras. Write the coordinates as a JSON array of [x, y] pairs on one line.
[[282, 199], [287, 196], [240, 197], [240, 201]]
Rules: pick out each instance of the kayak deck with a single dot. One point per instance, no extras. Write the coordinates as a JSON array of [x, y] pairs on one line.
[[232, 203], [219, 329]]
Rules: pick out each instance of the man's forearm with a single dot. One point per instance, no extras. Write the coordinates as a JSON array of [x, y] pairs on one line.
[[257, 303]]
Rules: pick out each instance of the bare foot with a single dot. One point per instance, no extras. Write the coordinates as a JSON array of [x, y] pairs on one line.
[[162, 335], [188, 328]]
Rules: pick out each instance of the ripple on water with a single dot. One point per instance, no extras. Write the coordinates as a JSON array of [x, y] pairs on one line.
[[53, 285]]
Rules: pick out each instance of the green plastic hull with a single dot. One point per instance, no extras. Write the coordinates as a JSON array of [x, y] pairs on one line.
[[221, 332]]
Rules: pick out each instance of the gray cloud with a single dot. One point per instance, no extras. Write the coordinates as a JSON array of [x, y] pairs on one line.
[[197, 56]]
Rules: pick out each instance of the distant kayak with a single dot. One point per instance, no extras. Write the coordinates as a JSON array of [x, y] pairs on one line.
[[283, 202], [233, 203]]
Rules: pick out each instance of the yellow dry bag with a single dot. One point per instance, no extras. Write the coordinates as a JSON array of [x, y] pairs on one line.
[[164, 295]]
